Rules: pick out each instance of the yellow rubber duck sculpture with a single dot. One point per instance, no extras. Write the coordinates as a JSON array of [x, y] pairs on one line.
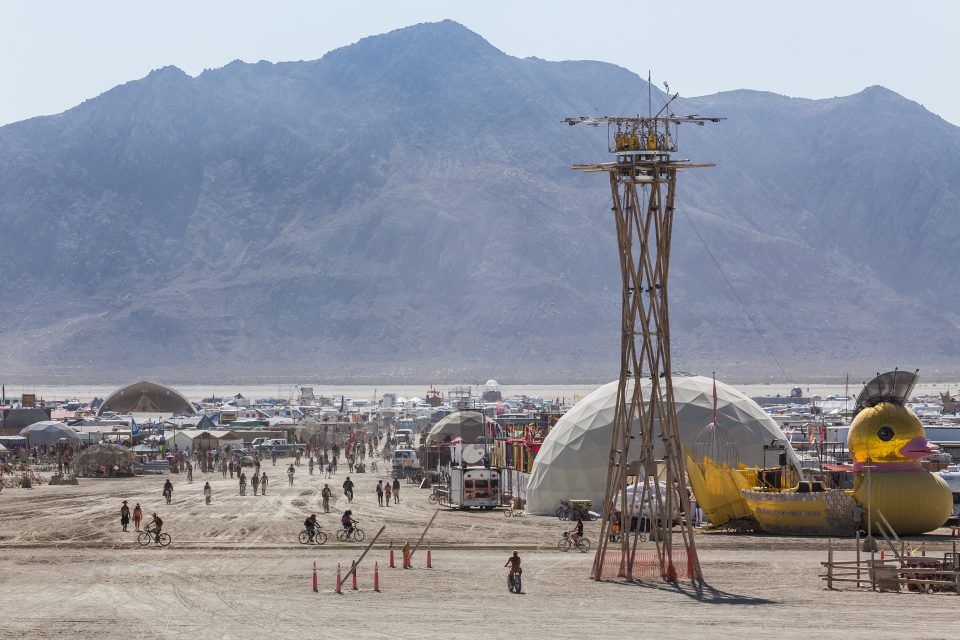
[[886, 442]]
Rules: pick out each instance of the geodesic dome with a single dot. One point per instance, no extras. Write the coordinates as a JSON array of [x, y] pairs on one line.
[[49, 432], [572, 463], [107, 455]]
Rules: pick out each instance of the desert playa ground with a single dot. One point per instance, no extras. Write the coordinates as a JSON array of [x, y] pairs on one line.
[[235, 569]]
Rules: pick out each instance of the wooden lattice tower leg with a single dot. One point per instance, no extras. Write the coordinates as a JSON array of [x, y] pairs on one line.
[[643, 201]]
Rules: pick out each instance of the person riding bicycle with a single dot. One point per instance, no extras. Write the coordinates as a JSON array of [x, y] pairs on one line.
[[577, 532], [347, 521], [514, 563], [155, 526], [168, 489], [311, 525], [348, 489]]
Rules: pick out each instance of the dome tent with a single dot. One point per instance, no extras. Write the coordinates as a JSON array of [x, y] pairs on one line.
[[105, 455], [572, 463], [467, 425], [49, 432]]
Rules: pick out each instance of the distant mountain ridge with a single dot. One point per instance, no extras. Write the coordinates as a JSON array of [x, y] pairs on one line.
[[403, 209]]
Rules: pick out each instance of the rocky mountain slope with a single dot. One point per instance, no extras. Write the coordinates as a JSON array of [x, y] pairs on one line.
[[403, 209]]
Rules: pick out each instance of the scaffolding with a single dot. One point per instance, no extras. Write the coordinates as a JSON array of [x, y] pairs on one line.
[[643, 181]]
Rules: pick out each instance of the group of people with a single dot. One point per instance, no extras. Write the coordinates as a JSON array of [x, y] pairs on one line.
[[258, 480], [388, 490], [154, 526]]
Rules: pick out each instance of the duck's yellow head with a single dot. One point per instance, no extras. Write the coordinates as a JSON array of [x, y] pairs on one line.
[[887, 432]]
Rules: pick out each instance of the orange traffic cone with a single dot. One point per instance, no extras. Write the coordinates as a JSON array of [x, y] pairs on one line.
[[338, 578], [429, 558], [353, 568], [315, 576], [376, 577], [881, 553]]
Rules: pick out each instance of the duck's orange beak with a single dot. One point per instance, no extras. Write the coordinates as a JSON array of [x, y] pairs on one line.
[[918, 449]]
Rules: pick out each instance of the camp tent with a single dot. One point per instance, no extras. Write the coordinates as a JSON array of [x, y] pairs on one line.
[[49, 432], [572, 463]]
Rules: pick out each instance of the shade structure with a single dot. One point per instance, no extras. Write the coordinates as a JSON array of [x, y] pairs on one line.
[[467, 425], [49, 432], [572, 463], [105, 455], [147, 397]]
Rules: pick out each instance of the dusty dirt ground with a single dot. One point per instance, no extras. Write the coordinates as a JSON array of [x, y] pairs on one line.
[[235, 569]]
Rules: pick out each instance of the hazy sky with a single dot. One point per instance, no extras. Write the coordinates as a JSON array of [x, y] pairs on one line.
[[54, 55]]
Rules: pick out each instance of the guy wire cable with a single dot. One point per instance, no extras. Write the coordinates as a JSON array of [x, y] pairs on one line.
[[563, 270], [743, 307]]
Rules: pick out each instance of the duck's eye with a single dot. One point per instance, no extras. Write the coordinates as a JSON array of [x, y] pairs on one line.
[[885, 433]]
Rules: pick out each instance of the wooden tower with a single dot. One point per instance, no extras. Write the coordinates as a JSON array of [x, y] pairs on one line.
[[643, 180]]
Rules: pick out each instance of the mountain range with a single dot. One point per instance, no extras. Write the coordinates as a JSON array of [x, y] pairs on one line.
[[404, 210]]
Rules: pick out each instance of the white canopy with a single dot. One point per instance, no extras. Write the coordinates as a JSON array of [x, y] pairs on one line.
[[572, 463]]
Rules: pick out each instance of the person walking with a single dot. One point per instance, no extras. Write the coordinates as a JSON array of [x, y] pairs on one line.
[[328, 472], [380, 492], [137, 516], [326, 493], [310, 465], [263, 483], [386, 490], [256, 482], [124, 516], [396, 490], [168, 490], [290, 471], [207, 492], [243, 483]]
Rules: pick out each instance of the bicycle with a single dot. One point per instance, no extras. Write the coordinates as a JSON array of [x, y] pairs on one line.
[[513, 583], [168, 495], [582, 544], [146, 537], [343, 535], [317, 537]]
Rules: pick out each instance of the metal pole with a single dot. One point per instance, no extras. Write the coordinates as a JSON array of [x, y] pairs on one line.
[[427, 528], [353, 569]]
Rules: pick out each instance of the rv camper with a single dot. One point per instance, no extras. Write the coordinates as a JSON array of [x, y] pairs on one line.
[[474, 487]]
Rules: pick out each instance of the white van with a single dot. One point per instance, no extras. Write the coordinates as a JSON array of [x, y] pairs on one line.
[[405, 458]]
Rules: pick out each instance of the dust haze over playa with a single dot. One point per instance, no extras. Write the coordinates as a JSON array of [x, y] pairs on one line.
[[402, 210]]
